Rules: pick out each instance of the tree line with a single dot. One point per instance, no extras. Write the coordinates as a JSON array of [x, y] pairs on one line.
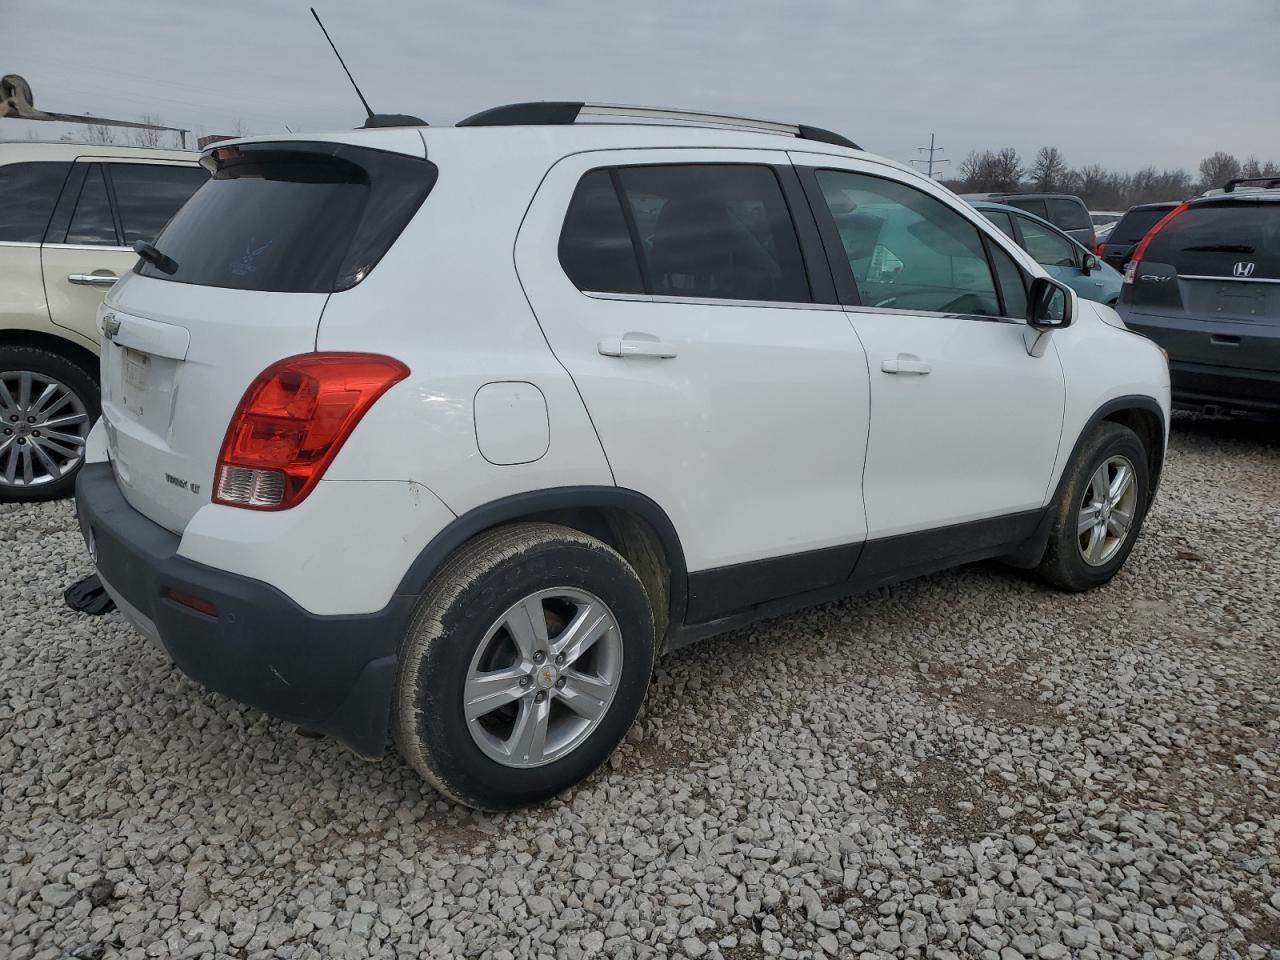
[[1003, 171]]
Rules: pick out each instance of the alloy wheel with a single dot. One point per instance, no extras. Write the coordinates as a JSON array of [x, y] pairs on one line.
[[543, 677], [1107, 511], [43, 427]]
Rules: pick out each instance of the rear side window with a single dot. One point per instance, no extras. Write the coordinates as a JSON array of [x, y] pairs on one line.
[[1133, 226], [147, 195], [92, 222], [292, 217], [595, 245], [1228, 238], [721, 231], [1068, 214], [1001, 220], [28, 192]]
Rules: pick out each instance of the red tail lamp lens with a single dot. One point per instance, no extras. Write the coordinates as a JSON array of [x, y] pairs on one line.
[[291, 423]]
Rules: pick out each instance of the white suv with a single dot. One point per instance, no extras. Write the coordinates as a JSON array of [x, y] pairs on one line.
[[444, 434], [69, 214]]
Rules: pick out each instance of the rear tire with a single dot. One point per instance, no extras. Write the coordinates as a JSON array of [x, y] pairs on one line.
[[42, 442], [524, 667], [1099, 510]]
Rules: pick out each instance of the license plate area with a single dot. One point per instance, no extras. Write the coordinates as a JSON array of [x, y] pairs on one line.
[[137, 368]]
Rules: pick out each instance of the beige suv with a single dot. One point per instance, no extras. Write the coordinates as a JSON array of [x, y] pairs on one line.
[[69, 214]]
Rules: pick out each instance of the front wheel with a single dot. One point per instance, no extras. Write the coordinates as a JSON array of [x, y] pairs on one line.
[[1099, 510], [524, 667]]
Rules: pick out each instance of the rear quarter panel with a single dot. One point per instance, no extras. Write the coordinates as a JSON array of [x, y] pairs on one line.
[[446, 301]]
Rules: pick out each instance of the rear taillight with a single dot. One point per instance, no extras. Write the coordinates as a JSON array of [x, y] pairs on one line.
[[292, 421], [1131, 268], [1098, 248]]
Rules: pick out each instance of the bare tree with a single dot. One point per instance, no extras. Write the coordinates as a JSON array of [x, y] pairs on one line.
[[1049, 171], [1251, 167], [992, 171], [1218, 169], [144, 137], [99, 133]]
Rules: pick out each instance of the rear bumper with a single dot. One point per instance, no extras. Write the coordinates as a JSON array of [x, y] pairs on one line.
[[1214, 362], [333, 674]]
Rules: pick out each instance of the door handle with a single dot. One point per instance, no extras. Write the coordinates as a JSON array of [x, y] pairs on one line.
[[636, 345], [92, 279], [905, 363]]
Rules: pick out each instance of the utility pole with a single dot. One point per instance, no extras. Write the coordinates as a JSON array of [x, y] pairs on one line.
[[930, 162]]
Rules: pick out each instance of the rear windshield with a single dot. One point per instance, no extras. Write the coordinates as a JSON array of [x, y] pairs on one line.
[[1225, 238], [1133, 226], [292, 217], [1069, 214]]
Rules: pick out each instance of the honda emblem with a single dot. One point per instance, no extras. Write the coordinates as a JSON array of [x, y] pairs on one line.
[[1243, 269]]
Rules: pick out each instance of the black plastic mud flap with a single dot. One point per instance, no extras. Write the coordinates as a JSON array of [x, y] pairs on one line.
[[89, 596]]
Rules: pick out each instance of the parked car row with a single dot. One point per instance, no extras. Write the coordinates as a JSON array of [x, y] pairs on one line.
[[587, 392]]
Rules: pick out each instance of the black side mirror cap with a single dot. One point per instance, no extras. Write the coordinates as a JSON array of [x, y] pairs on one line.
[[1050, 305]]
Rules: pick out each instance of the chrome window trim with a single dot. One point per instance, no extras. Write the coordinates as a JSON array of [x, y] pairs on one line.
[[18, 243], [891, 311], [89, 246], [1197, 276], [709, 301]]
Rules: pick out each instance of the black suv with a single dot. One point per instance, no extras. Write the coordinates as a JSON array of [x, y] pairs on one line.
[[1205, 285], [1128, 233], [1064, 210]]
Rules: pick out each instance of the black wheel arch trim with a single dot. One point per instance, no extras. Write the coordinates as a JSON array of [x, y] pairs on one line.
[[533, 504], [1135, 401]]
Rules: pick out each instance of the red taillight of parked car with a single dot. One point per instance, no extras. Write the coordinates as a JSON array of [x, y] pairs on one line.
[[291, 423], [1131, 268]]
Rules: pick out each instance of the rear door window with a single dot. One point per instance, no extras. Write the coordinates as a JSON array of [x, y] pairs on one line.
[[721, 231], [1222, 238], [1068, 214], [92, 221], [148, 195], [292, 217], [28, 192]]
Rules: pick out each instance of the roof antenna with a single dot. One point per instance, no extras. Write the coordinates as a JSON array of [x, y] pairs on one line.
[[373, 119], [341, 61]]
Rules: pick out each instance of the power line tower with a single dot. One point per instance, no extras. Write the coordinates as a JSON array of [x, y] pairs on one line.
[[930, 162]]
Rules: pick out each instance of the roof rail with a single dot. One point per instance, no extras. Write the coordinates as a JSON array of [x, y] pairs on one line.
[[1267, 182], [555, 112]]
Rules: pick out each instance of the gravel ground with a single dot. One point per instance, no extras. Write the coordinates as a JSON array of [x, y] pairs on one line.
[[968, 765]]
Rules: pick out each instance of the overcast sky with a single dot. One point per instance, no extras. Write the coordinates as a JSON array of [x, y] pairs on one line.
[[1122, 84]]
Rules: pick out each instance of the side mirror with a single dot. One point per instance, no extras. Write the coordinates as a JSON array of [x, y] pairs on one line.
[[1049, 305], [1089, 264]]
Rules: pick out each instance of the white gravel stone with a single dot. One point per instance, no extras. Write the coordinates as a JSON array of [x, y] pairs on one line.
[[970, 765]]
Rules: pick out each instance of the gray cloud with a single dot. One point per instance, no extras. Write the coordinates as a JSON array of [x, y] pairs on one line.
[[1115, 83]]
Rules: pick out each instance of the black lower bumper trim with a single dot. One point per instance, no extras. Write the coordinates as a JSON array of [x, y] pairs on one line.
[[333, 674]]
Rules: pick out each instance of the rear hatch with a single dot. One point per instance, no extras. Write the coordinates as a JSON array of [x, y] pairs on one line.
[[1208, 285], [259, 249]]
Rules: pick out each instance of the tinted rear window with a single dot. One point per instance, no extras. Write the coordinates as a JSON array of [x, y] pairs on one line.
[[595, 245], [1068, 214], [28, 192], [292, 217], [1227, 238], [1031, 206], [1133, 226]]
